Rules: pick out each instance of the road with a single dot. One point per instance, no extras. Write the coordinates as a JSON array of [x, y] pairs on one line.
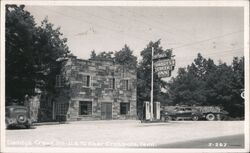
[[130, 133]]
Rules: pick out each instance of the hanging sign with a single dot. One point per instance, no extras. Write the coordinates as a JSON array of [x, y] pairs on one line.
[[163, 55], [163, 66]]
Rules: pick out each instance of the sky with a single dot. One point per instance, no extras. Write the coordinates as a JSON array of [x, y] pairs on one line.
[[215, 32]]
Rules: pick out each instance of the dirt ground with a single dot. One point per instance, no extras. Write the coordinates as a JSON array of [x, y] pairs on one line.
[[130, 133]]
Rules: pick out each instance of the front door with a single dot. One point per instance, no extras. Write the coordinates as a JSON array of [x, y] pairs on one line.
[[106, 111]]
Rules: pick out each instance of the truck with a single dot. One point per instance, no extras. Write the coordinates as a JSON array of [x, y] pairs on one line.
[[195, 113]]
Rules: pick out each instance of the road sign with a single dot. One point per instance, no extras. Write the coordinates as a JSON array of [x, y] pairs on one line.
[[163, 55], [164, 62], [162, 65]]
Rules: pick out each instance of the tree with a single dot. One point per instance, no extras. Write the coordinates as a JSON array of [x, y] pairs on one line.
[[33, 53], [102, 56], [204, 83], [125, 57], [144, 75], [20, 33], [93, 54], [51, 51]]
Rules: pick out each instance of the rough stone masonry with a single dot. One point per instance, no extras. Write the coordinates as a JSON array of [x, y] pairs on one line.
[[95, 89]]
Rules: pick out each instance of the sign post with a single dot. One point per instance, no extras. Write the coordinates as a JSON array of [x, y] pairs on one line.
[[152, 86], [164, 65]]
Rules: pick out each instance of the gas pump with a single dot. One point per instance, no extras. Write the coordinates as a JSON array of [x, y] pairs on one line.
[[147, 110], [156, 111]]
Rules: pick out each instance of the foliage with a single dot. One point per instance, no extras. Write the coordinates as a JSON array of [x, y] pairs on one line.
[[144, 75], [102, 56], [123, 57], [33, 53], [204, 83]]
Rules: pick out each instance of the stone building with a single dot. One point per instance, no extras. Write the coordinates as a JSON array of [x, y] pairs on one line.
[[94, 89]]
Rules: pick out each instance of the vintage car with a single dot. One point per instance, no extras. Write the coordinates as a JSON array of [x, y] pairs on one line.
[[17, 116], [181, 113]]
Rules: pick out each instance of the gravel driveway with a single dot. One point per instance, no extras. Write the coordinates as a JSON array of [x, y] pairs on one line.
[[118, 133]]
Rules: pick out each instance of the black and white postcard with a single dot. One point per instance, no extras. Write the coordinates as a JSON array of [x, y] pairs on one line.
[[124, 76]]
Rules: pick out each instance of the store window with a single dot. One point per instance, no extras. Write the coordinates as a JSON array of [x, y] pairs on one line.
[[85, 108], [124, 108], [61, 109]]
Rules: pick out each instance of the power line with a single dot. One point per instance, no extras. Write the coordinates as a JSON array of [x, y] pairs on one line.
[[144, 23], [212, 38], [117, 31], [225, 53], [160, 23], [188, 44], [90, 23]]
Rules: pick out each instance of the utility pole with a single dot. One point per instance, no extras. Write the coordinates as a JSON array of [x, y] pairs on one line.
[[152, 87]]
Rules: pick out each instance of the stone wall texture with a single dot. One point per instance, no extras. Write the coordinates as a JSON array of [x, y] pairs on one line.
[[98, 89]]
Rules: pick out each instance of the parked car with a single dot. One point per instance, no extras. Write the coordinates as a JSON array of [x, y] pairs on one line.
[[16, 116], [181, 113]]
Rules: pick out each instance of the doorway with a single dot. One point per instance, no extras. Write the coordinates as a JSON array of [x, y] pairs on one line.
[[106, 111]]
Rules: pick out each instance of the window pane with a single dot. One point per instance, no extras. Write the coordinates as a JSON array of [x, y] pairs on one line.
[[112, 83], [124, 108], [86, 80], [85, 108], [125, 84]]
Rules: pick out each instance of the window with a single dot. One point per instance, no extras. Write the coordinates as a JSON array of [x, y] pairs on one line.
[[125, 84], [85, 108], [124, 108], [59, 81], [86, 80], [61, 109], [112, 83], [188, 109]]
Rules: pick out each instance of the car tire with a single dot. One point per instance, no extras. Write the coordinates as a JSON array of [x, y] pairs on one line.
[[21, 119], [168, 118], [210, 117], [195, 118]]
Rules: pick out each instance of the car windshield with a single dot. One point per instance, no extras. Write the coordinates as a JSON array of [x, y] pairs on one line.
[[21, 110]]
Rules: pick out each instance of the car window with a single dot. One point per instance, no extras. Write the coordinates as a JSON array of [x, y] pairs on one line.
[[20, 110], [181, 109], [188, 109]]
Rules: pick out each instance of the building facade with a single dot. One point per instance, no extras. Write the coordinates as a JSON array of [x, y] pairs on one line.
[[94, 89]]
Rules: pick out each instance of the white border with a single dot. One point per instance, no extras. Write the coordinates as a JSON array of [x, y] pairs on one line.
[[244, 4]]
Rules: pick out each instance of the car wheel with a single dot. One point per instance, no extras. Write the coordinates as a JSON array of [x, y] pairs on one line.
[[195, 118], [210, 117], [168, 118], [21, 118]]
